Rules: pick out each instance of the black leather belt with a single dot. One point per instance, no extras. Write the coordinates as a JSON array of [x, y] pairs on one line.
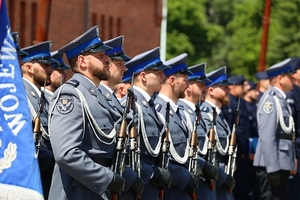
[[106, 162], [286, 136]]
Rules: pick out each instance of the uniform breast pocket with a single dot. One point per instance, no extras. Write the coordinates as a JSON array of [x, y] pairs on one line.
[[285, 145], [105, 124]]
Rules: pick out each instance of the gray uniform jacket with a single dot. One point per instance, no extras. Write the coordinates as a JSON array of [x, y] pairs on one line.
[[223, 131], [179, 134], [275, 149], [45, 157], [153, 128], [129, 175], [83, 156], [203, 192]]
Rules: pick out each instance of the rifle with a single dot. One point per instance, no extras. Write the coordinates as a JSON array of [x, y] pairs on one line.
[[232, 144], [134, 144], [193, 149], [211, 148], [164, 161], [119, 159], [37, 122]]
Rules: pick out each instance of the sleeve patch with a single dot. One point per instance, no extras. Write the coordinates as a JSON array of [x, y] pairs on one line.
[[65, 104], [268, 107]]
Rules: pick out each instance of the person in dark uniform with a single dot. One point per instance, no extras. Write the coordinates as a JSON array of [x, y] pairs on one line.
[[242, 175], [36, 71], [134, 184], [147, 71], [275, 153], [263, 83], [184, 182], [194, 96], [58, 76], [292, 97], [81, 126], [216, 97]]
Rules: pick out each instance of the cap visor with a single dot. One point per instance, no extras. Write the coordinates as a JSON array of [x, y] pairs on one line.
[[48, 61], [21, 53], [101, 48], [121, 57], [204, 80], [161, 67]]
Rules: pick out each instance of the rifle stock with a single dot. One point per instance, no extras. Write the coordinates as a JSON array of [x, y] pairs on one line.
[[232, 145], [120, 155]]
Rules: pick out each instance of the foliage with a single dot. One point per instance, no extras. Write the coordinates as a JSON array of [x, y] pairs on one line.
[[228, 32]]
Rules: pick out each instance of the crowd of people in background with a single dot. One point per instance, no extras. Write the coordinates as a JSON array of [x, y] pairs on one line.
[[139, 128]]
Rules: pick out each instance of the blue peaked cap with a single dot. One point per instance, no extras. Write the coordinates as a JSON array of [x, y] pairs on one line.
[[116, 52], [178, 65], [147, 60], [60, 63], [295, 63], [39, 52], [219, 77], [237, 80], [198, 73], [261, 75], [15, 36], [283, 67], [87, 42], [127, 77]]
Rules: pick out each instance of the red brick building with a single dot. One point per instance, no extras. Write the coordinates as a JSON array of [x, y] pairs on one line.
[[62, 21]]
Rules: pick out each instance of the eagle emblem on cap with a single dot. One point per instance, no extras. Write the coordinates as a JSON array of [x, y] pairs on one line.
[[268, 107], [65, 104]]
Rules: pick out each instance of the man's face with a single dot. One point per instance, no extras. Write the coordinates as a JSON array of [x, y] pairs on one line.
[[180, 84], [287, 82], [41, 73], [117, 70], [198, 90], [221, 94], [57, 78], [155, 79], [99, 64]]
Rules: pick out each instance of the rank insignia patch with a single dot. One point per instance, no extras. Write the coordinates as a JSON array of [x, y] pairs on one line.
[[268, 107], [65, 104]]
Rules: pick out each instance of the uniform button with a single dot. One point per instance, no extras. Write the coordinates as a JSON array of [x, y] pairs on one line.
[[95, 188]]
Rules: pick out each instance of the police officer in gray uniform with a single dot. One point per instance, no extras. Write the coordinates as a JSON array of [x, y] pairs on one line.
[[148, 77], [184, 182], [58, 76], [275, 154], [194, 96], [36, 71], [82, 126], [292, 98], [216, 97], [117, 70]]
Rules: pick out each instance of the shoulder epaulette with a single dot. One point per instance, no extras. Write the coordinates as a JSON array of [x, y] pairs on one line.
[[158, 107], [204, 109], [73, 82], [181, 107]]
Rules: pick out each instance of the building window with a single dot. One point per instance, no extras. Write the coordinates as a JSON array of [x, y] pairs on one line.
[[11, 9], [33, 21], [94, 19], [23, 24], [119, 26], [102, 27], [111, 26]]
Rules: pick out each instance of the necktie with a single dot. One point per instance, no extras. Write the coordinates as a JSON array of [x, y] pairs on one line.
[[152, 106]]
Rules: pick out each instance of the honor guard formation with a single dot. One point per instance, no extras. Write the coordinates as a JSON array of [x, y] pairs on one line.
[[142, 129]]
